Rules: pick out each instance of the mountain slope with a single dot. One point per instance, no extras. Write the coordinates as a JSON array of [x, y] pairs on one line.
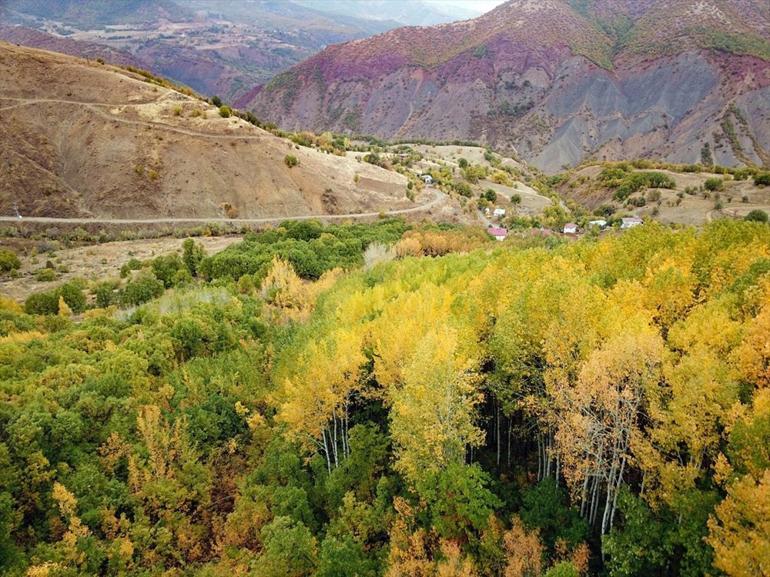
[[223, 48], [558, 81], [84, 139]]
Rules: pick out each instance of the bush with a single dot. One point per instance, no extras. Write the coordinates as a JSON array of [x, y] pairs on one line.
[[132, 264], [192, 255], [489, 195], [142, 289], [762, 179], [165, 268], [757, 215], [8, 260], [105, 293], [462, 188], [45, 275], [47, 303], [291, 161], [225, 111], [713, 184], [216, 101]]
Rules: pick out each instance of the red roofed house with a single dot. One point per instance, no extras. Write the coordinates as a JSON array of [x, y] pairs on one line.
[[498, 232]]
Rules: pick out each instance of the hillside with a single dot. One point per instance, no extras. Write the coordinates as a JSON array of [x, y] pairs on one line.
[[222, 48], [689, 195], [557, 81], [85, 139]]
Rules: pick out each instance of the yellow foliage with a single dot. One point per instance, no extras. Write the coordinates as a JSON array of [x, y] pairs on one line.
[[739, 530], [10, 305], [64, 309]]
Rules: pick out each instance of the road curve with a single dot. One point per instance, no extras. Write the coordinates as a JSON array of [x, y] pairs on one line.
[[437, 197]]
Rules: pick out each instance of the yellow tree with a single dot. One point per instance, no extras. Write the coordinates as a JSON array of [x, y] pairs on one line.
[[740, 528], [433, 412], [600, 416]]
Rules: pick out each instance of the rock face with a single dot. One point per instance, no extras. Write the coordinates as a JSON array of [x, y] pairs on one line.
[[557, 81]]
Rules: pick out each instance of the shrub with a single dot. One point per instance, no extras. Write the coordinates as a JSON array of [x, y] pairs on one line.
[[225, 111], [713, 184], [142, 289], [216, 101], [166, 267], [489, 195], [105, 293], [132, 264], [762, 179], [757, 215], [462, 188], [47, 303], [192, 255], [8, 260], [516, 198], [291, 161], [45, 275]]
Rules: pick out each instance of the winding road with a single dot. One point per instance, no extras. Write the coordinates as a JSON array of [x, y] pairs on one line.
[[437, 198]]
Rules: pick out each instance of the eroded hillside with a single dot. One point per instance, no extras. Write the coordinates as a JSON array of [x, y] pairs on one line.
[[86, 139]]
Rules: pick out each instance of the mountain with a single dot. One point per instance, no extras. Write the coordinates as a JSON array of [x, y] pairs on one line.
[[223, 48], [558, 81], [91, 50], [406, 12], [84, 139]]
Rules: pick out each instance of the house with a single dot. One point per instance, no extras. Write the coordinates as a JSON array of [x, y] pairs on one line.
[[427, 179], [630, 222], [499, 212], [601, 223], [498, 232], [570, 228]]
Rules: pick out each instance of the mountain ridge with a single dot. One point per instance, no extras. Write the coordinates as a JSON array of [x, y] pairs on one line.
[[506, 79]]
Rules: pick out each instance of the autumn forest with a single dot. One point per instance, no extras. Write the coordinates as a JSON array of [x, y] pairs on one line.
[[397, 400]]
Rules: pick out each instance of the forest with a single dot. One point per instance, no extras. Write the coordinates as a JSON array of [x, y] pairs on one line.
[[393, 401]]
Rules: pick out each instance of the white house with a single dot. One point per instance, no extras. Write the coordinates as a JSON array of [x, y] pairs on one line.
[[630, 222], [499, 212], [427, 179], [570, 228], [601, 223]]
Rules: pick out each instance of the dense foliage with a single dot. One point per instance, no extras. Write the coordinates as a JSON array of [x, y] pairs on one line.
[[598, 407]]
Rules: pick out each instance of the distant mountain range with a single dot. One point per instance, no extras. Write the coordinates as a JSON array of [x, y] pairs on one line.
[[559, 81], [216, 47]]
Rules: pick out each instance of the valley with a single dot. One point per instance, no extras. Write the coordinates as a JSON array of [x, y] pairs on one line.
[[384, 288]]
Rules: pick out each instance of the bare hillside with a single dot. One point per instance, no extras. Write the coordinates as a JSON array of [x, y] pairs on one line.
[[85, 139]]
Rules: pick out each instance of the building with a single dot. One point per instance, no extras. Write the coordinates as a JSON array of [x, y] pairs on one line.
[[570, 228], [498, 232], [601, 223], [630, 222], [499, 212], [427, 179]]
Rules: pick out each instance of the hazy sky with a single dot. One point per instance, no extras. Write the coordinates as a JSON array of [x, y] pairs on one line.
[[479, 6]]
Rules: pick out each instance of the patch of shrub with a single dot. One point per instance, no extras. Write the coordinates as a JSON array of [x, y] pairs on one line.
[[142, 289], [762, 179], [757, 215], [47, 303], [713, 184], [8, 260], [45, 275], [291, 161]]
